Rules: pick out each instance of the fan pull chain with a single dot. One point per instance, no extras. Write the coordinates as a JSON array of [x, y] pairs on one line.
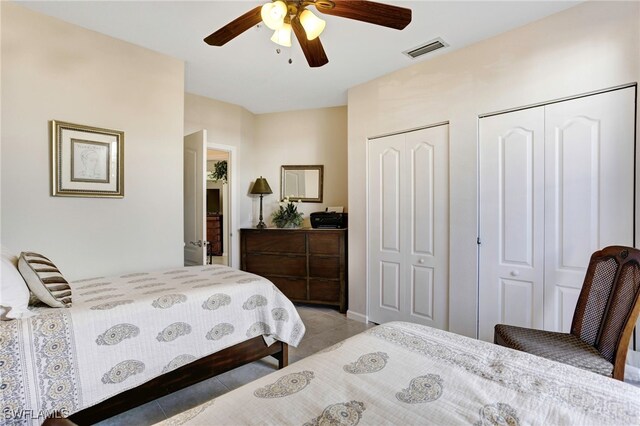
[[278, 51]]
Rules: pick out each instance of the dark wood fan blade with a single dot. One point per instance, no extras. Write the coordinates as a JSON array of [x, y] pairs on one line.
[[312, 49], [369, 11], [234, 28]]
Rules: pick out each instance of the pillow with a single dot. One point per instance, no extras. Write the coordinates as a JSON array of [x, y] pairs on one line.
[[14, 294], [45, 280], [9, 255]]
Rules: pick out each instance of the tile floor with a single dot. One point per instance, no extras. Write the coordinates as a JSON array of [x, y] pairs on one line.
[[325, 326]]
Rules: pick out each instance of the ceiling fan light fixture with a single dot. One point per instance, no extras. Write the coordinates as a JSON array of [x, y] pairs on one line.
[[313, 26], [273, 14], [283, 16], [282, 35]]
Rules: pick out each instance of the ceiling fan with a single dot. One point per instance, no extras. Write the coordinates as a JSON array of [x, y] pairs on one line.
[[284, 15]]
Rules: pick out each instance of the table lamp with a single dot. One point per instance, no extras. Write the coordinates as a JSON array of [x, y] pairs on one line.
[[261, 187]]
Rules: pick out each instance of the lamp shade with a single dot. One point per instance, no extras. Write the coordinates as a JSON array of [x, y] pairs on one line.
[[261, 186], [313, 26], [273, 14], [282, 35]]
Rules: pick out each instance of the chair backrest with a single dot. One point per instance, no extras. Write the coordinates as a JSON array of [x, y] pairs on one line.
[[609, 303]]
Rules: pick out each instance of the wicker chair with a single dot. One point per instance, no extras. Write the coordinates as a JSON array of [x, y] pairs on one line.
[[605, 315]]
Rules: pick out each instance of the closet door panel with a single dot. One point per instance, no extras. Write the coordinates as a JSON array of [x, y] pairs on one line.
[[386, 157], [422, 181], [422, 296], [390, 211], [517, 302], [511, 220], [589, 159], [428, 226], [567, 298], [390, 286]]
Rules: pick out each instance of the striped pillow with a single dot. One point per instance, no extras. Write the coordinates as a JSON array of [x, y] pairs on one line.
[[44, 280]]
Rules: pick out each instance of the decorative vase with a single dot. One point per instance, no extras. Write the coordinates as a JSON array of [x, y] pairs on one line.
[[290, 225]]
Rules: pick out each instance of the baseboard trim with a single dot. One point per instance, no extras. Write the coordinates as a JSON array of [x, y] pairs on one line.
[[356, 316]]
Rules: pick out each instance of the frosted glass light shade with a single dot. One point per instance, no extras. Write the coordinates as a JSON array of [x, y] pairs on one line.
[[313, 26], [282, 36], [273, 14]]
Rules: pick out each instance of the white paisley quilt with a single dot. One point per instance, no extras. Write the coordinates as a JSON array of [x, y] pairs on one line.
[[406, 374], [124, 331]]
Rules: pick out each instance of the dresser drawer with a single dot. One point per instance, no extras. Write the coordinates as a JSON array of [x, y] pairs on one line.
[[293, 288], [324, 267], [275, 242], [324, 290], [276, 264], [307, 265], [324, 242]]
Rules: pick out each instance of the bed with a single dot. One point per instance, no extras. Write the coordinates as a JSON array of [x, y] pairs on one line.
[[128, 338], [402, 373]]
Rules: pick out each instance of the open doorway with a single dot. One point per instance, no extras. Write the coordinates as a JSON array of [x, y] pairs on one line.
[[218, 206]]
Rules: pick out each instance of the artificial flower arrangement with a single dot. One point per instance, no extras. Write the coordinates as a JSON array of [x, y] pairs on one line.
[[287, 214]]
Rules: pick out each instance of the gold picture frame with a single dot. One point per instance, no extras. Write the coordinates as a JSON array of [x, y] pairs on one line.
[[86, 161], [304, 183]]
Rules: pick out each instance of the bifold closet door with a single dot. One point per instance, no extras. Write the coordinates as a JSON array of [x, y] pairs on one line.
[[556, 184], [408, 232], [589, 197], [511, 220]]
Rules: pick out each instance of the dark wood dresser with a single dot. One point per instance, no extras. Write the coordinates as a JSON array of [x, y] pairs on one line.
[[307, 265], [214, 234]]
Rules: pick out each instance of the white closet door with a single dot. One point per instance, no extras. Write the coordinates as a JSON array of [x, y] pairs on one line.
[[386, 273], [427, 206], [589, 158], [409, 227], [556, 184], [511, 220]]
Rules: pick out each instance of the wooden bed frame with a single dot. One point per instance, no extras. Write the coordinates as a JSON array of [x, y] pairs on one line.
[[187, 375]]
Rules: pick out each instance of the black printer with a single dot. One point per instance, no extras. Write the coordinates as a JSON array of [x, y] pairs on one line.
[[328, 220]]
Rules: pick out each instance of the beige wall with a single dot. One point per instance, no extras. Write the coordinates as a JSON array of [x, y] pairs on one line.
[[265, 142], [589, 47], [232, 126], [54, 70], [314, 136], [223, 121]]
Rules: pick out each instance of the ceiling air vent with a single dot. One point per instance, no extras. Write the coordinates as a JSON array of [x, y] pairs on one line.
[[428, 47]]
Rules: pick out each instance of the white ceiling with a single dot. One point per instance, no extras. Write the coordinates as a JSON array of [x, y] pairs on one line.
[[248, 72]]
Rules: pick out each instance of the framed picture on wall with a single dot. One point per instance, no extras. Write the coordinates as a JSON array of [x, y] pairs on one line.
[[86, 161]]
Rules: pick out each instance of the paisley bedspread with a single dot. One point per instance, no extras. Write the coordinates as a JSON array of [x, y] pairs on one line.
[[124, 331], [407, 374]]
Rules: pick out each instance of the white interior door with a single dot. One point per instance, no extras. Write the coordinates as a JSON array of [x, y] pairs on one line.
[[409, 227], [511, 220], [195, 164], [589, 162]]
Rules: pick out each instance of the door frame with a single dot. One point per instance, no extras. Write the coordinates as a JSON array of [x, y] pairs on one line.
[[234, 233]]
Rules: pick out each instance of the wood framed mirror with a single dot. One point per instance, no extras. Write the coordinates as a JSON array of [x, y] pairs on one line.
[[302, 183]]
